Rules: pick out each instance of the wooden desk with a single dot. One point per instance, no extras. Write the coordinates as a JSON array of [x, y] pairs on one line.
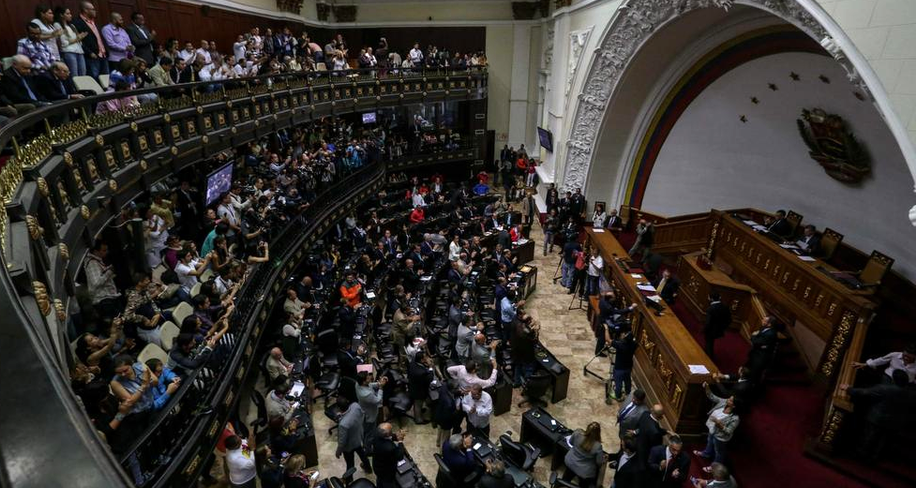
[[698, 283], [524, 252], [792, 289], [666, 348], [560, 373]]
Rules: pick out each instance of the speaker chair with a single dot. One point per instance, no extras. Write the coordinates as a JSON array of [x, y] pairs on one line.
[[535, 388]]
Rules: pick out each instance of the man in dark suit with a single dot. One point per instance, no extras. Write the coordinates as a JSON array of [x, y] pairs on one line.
[[577, 205], [890, 408], [780, 226], [763, 346], [629, 472], [669, 466], [141, 37], [734, 385], [93, 46], [667, 286], [410, 277], [811, 241], [613, 221], [55, 84], [18, 87], [718, 318], [649, 432], [387, 453]]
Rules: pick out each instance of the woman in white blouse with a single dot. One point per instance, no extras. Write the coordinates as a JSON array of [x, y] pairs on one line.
[[600, 217], [44, 19], [71, 42]]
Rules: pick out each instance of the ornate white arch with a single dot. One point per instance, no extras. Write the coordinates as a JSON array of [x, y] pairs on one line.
[[636, 21]]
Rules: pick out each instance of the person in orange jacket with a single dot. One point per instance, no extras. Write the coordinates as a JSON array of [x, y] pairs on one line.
[[351, 290]]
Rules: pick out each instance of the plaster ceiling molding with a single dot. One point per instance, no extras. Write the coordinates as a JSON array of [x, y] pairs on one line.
[[632, 25], [548, 47], [577, 41]]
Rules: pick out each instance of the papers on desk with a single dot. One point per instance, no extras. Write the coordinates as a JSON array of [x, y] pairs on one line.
[[402, 462], [426, 278], [521, 241], [646, 287], [655, 298], [697, 369], [807, 258], [750, 222], [637, 276], [758, 227], [477, 446], [788, 246], [297, 389], [597, 231], [370, 295]]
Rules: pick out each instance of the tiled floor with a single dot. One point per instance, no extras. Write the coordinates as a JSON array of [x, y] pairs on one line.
[[567, 334]]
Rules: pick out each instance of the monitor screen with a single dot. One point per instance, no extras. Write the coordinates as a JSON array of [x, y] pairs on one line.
[[369, 118], [546, 139], [219, 182]]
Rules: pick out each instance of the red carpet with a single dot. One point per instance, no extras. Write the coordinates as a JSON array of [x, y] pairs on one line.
[[768, 447]]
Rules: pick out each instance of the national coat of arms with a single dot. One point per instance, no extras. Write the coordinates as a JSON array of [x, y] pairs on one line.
[[833, 146]]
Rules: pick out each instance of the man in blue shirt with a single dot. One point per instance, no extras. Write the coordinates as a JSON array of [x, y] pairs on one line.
[[167, 386]]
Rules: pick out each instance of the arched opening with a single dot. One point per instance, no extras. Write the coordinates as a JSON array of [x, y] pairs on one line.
[[716, 127]]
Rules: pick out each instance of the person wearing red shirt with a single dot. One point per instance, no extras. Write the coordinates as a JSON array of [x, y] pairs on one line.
[[532, 164], [417, 215], [515, 233], [350, 290]]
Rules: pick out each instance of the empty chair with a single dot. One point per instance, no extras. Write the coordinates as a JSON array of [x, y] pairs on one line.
[[181, 311], [328, 344], [261, 407], [794, 220], [105, 81], [205, 276], [361, 483], [87, 83], [327, 384], [195, 290], [321, 67], [877, 266], [522, 455], [830, 241], [535, 388], [152, 351], [168, 333]]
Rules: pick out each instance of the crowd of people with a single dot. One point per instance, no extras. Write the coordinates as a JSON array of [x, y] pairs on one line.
[[60, 44]]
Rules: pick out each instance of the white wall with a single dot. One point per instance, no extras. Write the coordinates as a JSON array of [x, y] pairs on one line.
[[712, 160], [885, 32], [440, 11], [500, 50]]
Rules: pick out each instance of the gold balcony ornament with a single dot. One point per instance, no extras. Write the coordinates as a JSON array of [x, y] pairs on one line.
[[64, 196], [64, 251], [93, 171], [84, 212], [205, 139], [167, 118], [41, 297], [79, 180], [143, 164], [42, 186], [134, 127], [99, 140], [113, 185], [200, 109], [229, 103], [59, 308], [174, 150], [68, 159], [234, 130], [257, 123], [35, 230]]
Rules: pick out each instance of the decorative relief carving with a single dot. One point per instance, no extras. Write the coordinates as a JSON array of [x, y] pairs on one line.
[[838, 343], [577, 41], [634, 23]]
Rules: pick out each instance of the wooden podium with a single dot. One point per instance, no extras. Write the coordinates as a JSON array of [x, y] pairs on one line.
[[667, 352]]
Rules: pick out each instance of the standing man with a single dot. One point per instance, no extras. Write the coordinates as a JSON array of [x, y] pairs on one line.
[[721, 424], [478, 406], [763, 346], [570, 251], [388, 451], [34, 48], [93, 46], [100, 282], [369, 396], [595, 268], [645, 233], [141, 37], [669, 465], [625, 348], [718, 318], [350, 434], [117, 41], [628, 416]]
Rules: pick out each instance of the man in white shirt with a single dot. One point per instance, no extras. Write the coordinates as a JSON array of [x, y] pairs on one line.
[[467, 375], [100, 281], [188, 54], [293, 305], [227, 212], [416, 55], [721, 425], [188, 272], [203, 53], [478, 406], [240, 462], [240, 47], [904, 360]]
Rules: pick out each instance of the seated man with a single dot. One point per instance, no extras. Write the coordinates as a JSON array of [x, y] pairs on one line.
[[277, 365], [276, 402], [667, 286], [18, 91], [810, 242], [458, 456], [293, 305], [55, 84]]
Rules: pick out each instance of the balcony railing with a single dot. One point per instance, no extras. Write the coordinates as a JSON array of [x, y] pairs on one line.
[[67, 171]]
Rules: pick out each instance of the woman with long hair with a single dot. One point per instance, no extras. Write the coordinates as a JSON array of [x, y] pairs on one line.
[[71, 41], [585, 457]]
